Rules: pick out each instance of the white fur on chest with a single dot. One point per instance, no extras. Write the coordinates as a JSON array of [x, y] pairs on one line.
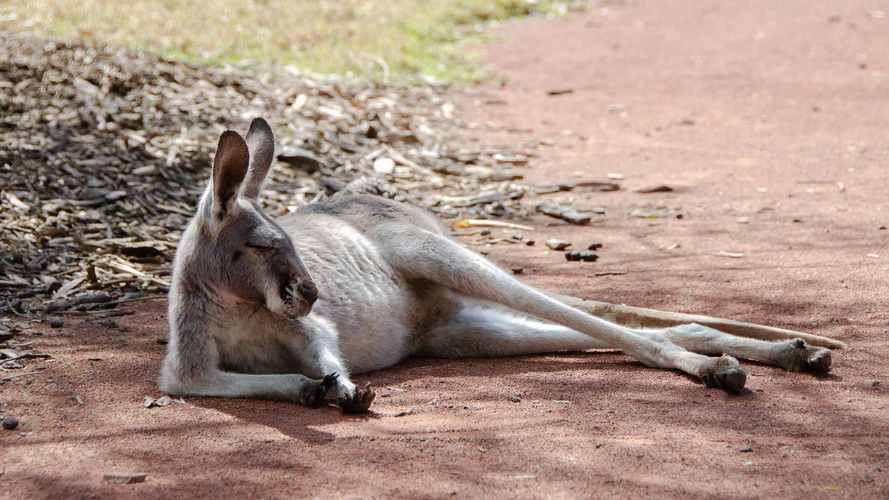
[[252, 339], [361, 297]]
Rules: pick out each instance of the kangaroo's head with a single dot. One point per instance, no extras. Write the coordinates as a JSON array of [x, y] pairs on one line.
[[240, 253]]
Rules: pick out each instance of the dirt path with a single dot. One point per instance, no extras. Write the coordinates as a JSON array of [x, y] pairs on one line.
[[770, 121]]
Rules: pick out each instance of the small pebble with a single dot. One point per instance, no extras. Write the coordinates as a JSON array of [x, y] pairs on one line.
[[518, 270], [555, 244], [594, 246], [56, 322], [485, 232], [10, 423], [530, 243], [746, 449], [515, 399], [384, 165], [581, 255]]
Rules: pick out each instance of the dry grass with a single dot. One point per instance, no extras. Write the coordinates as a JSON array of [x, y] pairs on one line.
[[388, 39]]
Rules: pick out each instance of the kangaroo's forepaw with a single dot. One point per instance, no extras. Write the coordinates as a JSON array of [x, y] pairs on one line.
[[726, 373], [799, 357], [359, 402], [313, 394], [329, 380]]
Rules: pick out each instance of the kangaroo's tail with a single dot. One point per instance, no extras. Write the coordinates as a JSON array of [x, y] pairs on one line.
[[639, 317]]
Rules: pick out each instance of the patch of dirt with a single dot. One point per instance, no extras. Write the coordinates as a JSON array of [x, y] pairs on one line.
[[768, 121]]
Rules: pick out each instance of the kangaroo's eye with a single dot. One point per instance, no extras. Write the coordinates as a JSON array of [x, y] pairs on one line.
[[261, 247]]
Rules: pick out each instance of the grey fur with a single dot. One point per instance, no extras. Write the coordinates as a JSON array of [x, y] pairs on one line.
[[389, 284]]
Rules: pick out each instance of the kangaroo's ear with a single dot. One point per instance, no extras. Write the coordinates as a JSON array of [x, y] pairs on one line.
[[261, 142], [229, 169]]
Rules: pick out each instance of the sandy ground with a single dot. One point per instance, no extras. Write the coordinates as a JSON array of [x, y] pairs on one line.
[[769, 119]]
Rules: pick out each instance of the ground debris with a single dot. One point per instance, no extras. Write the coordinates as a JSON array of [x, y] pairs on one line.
[[85, 298], [607, 273], [656, 212], [105, 153], [581, 255], [591, 185], [661, 188], [731, 255], [467, 223], [568, 214], [11, 359], [121, 478], [302, 160], [10, 423], [558, 245], [602, 186], [482, 198], [150, 402], [6, 333]]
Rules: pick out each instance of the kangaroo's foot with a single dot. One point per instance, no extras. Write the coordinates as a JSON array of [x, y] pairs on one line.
[[797, 356], [358, 402], [726, 373]]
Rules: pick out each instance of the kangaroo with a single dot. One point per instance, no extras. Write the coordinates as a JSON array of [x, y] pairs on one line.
[[290, 308]]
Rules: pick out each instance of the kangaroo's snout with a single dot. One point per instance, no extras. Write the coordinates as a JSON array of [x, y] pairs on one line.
[[296, 298], [308, 291], [297, 291]]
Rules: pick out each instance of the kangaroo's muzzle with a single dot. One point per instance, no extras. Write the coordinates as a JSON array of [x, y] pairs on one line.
[[298, 297]]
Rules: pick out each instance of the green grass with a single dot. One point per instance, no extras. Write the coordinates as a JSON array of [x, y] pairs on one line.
[[393, 40]]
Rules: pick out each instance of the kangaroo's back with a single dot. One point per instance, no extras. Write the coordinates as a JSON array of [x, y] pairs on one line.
[[366, 212]]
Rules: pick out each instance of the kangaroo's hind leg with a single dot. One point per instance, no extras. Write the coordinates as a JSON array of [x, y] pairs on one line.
[[483, 331], [423, 255], [792, 355]]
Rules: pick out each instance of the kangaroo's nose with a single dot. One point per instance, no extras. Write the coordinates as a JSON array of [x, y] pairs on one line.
[[308, 291]]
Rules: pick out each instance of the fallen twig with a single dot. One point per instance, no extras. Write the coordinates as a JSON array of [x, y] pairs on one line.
[[27, 355], [20, 375], [466, 223]]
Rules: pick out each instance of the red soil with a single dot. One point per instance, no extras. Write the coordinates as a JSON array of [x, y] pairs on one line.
[[774, 114]]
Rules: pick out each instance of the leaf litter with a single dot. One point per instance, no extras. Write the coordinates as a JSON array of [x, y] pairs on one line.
[[104, 153]]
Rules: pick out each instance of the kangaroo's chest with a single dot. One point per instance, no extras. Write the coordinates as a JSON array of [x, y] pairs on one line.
[[248, 339], [374, 310]]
